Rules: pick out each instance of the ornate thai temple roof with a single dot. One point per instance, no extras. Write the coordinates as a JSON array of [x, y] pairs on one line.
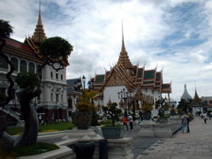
[[196, 101], [130, 76], [123, 57], [39, 35], [18, 49]]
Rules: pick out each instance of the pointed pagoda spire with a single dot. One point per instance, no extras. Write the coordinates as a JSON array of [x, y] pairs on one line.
[[186, 95], [123, 46], [123, 57], [196, 97], [197, 100], [39, 35]]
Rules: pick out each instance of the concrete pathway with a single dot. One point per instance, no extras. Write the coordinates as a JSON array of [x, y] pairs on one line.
[[194, 145]]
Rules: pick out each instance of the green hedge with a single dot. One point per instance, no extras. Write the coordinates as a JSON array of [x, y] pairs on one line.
[[37, 148], [44, 128]]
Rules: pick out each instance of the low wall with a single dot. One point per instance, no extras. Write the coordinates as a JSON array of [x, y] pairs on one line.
[[62, 153], [152, 129], [115, 148]]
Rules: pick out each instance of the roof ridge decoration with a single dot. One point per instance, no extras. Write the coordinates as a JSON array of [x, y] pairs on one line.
[[39, 35], [122, 74], [123, 57]]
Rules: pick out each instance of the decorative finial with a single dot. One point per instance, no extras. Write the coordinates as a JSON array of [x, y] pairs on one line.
[[39, 34], [123, 46], [39, 7]]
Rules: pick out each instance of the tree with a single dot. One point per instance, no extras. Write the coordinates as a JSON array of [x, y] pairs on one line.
[[55, 51], [5, 29], [185, 106], [163, 106], [113, 111], [32, 89]]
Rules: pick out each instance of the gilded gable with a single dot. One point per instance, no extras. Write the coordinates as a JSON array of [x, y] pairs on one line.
[[114, 80]]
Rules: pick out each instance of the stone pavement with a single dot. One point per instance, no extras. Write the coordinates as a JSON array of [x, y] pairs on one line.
[[139, 144], [194, 145]]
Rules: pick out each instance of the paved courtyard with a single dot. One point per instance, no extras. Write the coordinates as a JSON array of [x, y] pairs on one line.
[[194, 145]]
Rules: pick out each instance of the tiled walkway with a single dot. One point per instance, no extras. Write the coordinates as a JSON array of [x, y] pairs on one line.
[[194, 145]]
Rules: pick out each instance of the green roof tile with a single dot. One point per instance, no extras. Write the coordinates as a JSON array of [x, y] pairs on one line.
[[149, 74], [99, 78]]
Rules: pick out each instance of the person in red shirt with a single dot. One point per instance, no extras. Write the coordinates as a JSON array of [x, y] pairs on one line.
[[125, 121]]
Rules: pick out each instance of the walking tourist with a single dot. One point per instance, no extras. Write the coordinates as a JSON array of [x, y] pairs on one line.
[[185, 123], [131, 122], [205, 117], [140, 117], [125, 121]]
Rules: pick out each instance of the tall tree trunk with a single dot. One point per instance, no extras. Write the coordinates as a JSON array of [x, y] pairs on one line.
[[30, 133]]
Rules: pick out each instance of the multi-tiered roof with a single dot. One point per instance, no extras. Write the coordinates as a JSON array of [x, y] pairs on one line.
[[131, 76], [39, 35]]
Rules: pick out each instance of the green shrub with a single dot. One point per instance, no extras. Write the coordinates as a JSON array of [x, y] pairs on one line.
[[43, 128], [28, 81], [34, 149]]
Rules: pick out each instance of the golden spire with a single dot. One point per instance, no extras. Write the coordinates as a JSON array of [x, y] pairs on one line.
[[39, 35], [123, 46], [123, 57]]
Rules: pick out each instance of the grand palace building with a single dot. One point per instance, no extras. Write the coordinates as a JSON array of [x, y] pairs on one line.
[[52, 103], [125, 82]]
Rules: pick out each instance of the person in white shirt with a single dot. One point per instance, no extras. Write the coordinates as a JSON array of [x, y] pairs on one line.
[[130, 119], [205, 117]]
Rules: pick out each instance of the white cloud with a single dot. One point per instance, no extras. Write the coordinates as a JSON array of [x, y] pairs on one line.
[[198, 56], [154, 32]]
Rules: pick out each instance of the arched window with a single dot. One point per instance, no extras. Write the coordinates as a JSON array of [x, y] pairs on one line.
[[14, 61], [3, 63], [23, 66], [31, 67]]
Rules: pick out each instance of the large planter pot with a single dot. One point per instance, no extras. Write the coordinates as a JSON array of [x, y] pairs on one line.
[[163, 120], [82, 120], [113, 132], [84, 150], [147, 115]]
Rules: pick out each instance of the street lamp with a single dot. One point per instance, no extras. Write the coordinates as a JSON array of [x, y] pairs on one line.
[[76, 85], [126, 96], [83, 80]]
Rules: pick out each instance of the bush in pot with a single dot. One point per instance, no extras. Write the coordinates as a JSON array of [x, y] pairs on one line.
[[111, 130], [84, 110]]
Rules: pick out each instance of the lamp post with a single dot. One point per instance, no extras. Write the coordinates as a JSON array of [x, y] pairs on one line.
[[83, 80], [126, 96], [76, 85]]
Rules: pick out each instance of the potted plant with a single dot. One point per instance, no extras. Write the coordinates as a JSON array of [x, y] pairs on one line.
[[146, 108], [111, 130], [163, 118], [84, 110]]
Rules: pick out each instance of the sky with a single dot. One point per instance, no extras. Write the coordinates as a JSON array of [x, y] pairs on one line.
[[174, 36]]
